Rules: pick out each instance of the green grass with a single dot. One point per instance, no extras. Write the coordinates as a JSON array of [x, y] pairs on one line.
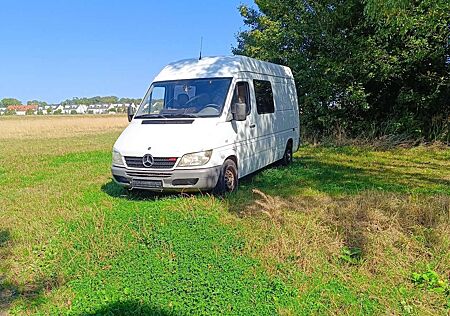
[[350, 170], [73, 242]]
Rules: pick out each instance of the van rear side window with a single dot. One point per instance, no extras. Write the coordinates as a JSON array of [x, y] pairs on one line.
[[264, 96]]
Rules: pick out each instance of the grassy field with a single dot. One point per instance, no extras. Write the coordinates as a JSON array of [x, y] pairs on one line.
[[344, 230]]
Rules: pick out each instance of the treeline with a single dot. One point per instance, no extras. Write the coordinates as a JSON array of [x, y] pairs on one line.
[[362, 67], [100, 100], [5, 102]]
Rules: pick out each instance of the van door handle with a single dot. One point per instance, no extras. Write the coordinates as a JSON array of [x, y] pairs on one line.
[[252, 125]]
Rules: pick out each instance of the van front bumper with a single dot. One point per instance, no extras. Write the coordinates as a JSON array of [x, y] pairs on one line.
[[172, 180]]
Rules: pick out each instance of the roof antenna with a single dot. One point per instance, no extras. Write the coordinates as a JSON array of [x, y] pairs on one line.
[[201, 47]]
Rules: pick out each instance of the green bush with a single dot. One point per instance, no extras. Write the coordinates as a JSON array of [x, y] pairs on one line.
[[362, 68]]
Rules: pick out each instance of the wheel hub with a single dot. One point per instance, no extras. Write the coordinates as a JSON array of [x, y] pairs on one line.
[[229, 179]]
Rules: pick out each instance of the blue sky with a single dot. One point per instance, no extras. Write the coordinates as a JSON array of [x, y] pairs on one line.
[[54, 50]]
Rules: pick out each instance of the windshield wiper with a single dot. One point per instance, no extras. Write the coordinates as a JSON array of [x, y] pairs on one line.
[[150, 115], [182, 115]]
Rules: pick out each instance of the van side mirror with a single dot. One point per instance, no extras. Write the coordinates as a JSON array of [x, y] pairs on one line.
[[239, 111], [130, 113]]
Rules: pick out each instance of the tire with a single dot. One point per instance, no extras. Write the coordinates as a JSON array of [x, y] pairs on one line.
[[228, 178], [287, 157]]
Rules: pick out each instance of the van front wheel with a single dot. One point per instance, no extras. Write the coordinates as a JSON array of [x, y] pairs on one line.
[[228, 178]]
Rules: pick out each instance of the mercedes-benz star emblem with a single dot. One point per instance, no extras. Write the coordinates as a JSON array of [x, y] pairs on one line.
[[147, 160]]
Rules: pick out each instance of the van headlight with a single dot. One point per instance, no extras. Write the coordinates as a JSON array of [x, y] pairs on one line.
[[117, 158], [195, 159]]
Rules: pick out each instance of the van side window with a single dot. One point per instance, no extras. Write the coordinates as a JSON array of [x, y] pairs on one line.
[[264, 96], [242, 95]]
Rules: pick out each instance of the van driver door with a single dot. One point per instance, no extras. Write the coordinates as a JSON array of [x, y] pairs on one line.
[[245, 130]]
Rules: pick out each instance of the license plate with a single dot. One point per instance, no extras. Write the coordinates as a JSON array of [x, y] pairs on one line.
[[146, 184]]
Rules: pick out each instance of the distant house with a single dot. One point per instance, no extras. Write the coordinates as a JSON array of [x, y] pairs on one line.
[[67, 109], [74, 108], [81, 109], [112, 109], [60, 107], [123, 107], [98, 109], [2, 111], [116, 108], [48, 109], [22, 109]]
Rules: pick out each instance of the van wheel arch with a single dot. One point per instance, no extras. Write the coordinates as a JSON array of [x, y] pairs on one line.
[[232, 157], [290, 142], [288, 153]]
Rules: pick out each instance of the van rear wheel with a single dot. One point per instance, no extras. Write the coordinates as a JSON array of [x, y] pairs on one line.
[[228, 178], [287, 157]]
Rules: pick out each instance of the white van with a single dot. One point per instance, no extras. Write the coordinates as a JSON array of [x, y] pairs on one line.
[[203, 124]]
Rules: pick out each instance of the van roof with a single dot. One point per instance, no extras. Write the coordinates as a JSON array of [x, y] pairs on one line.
[[220, 66]]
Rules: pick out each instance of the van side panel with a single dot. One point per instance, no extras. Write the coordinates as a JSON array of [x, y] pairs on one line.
[[273, 130], [286, 115]]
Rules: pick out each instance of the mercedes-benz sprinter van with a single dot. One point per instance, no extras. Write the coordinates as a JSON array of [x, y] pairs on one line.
[[204, 124]]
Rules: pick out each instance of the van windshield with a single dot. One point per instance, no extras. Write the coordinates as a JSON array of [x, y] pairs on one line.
[[185, 98]]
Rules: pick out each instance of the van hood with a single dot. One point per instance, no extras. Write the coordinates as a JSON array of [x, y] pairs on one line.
[[168, 139]]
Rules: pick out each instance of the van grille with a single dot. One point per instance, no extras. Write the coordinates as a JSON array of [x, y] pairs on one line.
[[158, 163], [146, 174]]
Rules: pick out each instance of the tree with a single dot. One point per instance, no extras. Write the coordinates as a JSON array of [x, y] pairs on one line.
[[10, 101], [93, 100], [362, 67], [36, 102], [129, 101]]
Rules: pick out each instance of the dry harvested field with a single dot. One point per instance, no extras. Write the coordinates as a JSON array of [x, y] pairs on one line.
[[16, 127], [343, 230]]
